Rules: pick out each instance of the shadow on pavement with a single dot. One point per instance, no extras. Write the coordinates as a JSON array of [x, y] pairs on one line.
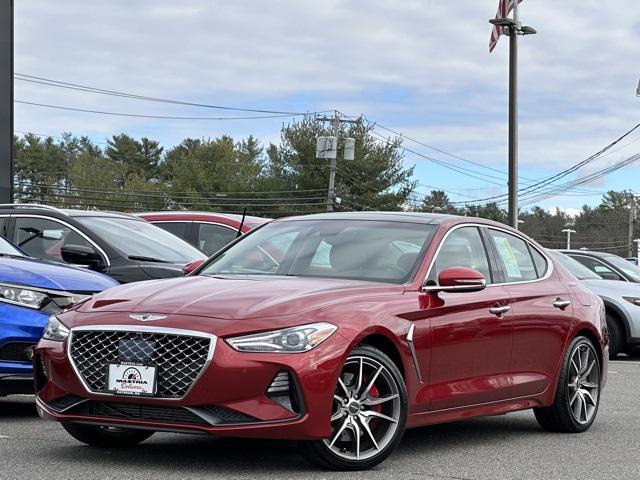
[[195, 453], [17, 407]]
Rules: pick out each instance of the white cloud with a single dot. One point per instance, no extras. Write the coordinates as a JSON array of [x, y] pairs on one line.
[[419, 65]]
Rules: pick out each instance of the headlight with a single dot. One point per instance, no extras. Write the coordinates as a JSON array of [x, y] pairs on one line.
[[55, 330], [48, 301], [23, 297], [286, 340], [634, 300]]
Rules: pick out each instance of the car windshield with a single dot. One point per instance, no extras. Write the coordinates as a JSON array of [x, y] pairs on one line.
[[628, 268], [576, 268], [6, 248], [141, 240], [350, 249]]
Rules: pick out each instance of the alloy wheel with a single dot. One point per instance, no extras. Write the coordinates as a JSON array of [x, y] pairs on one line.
[[584, 384], [366, 409]]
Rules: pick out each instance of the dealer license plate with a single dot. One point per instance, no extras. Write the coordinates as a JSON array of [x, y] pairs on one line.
[[131, 379]]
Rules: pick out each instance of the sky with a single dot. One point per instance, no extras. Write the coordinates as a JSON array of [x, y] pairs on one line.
[[421, 67]]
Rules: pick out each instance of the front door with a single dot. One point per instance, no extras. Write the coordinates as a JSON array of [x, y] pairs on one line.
[[471, 331]]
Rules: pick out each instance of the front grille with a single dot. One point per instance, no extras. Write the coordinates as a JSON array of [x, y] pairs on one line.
[[16, 352], [179, 358], [132, 411]]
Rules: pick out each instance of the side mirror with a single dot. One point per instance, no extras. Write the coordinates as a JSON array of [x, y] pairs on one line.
[[80, 255], [458, 279], [191, 266]]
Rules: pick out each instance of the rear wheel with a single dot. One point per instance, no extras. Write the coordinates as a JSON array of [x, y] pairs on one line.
[[615, 336], [108, 437], [578, 394], [369, 414]]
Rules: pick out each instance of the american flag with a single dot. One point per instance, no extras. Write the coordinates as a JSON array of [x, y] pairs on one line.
[[504, 9]]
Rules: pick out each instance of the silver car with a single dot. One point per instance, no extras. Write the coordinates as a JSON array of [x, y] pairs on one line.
[[622, 303]]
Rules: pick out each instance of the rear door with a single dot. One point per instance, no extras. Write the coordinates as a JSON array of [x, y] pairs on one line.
[[470, 331], [541, 311]]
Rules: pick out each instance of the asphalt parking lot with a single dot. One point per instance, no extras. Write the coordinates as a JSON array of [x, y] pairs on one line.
[[505, 447]]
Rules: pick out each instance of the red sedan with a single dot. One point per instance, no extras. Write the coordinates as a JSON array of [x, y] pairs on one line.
[[367, 324], [207, 231]]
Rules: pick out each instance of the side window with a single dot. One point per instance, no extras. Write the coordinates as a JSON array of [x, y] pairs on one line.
[[462, 248], [44, 238], [597, 267], [179, 229], [212, 238], [540, 262], [514, 256]]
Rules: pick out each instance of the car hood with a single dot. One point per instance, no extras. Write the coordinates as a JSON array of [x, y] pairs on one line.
[[50, 275], [613, 288], [232, 297]]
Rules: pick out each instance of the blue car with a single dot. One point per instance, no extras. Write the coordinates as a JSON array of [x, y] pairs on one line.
[[30, 291]]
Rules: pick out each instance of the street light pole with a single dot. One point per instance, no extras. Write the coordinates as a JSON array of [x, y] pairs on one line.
[[568, 231]]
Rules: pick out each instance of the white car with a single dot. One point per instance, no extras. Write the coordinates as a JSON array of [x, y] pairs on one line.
[[622, 303]]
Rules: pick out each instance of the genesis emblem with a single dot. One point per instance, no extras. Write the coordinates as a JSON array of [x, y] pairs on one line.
[[146, 317]]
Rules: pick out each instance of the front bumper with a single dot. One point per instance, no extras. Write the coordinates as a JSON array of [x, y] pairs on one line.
[[20, 329], [230, 398]]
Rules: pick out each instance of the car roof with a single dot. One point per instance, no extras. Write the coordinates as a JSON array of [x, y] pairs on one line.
[[412, 217], [187, 215], [590, 253], [60, 212]]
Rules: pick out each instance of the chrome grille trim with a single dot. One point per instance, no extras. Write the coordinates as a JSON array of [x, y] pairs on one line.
[[145, 329]]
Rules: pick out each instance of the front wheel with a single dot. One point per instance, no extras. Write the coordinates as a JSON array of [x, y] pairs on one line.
[[368, 415], [578, 393], [106, 437]]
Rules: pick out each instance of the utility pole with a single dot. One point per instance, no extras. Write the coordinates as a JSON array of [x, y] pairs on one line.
[[513, 28], [6, 101], [332, 148], [568, 231]]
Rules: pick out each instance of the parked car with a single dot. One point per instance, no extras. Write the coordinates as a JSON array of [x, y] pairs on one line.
[[207, 231], [367, 324], [30, 291], [122, 246], [621, 302], [606, 265]]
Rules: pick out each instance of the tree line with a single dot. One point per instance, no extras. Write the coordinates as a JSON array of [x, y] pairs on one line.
[[604, 227], [219, 174], [227, 175]]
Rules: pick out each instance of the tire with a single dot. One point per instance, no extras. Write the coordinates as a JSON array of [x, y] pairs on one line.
[[585, 374], [616, 337], [106, 437], [633, 352], [371, 418]]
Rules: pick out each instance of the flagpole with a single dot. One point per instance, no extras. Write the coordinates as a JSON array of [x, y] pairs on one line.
[[512, 26], [513, 119]]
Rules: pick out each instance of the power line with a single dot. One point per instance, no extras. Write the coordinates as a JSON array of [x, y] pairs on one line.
[[545, 182], [157, 117], [116, 93]]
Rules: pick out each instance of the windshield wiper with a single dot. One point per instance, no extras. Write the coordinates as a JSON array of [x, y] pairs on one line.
[[142, 258]]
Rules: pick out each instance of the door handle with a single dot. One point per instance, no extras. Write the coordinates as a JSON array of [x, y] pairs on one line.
[[500, 310], [561, 303]]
